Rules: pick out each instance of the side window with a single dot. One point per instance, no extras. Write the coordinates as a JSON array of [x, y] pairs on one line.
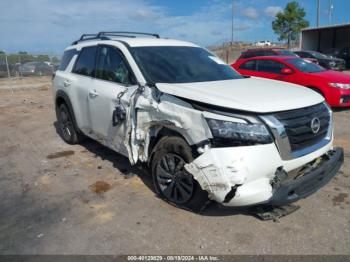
[[112, 67], [270, 66], [67, 56], [85, 64], [250, 65]]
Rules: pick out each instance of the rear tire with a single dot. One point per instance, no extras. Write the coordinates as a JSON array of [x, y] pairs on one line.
[[171, 181], [66, 127]]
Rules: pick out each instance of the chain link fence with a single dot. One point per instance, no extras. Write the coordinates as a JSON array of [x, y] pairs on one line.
[[27, 65]]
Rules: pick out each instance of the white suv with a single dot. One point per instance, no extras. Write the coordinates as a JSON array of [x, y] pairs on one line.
[[205, 131]]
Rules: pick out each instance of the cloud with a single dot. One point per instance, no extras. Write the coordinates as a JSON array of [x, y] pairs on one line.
[[250, 12], [51, 25], [272, 11]]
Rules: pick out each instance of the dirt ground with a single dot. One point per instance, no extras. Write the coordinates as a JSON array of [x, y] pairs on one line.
[[86, 199]]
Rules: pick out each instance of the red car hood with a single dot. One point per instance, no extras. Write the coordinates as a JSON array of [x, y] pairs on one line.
[[333, 76]]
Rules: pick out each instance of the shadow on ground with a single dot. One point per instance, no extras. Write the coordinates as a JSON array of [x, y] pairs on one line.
[[123, 165]]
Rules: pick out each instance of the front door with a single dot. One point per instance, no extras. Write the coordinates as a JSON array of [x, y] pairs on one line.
[[113, 76]]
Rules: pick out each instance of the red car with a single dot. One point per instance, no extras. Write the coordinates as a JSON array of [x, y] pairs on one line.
[[266, 52], [334, 86], [249, 53]]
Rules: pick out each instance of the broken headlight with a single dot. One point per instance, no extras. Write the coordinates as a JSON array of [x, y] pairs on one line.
[[232, 133]]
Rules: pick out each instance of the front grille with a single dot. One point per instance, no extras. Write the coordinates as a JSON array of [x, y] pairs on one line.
[[297, 124]]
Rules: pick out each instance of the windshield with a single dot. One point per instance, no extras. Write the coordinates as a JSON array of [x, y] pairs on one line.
[[181, 64], [319, 55], [305, 66]]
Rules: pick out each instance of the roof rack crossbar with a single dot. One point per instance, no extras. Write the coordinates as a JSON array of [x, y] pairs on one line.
[[83, 36], [86, 37], [127, 33], [105, 35]]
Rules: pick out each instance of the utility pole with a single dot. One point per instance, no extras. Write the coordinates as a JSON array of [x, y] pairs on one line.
[[318, 12], [232, 25]]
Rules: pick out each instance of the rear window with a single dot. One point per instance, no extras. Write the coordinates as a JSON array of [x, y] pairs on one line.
[[67, 56], [85, 64]]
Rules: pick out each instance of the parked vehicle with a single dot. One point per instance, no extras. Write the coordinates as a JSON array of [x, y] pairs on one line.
[[263, 43], [328, 62], [334, 86], [265, 52], [270, 52], [35, 68], [344, 53], [205, 131]]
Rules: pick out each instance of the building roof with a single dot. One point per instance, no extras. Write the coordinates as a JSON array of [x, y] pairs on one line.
[[326, 27]]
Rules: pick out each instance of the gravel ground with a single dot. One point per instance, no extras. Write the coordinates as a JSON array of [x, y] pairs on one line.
[[86, 199]]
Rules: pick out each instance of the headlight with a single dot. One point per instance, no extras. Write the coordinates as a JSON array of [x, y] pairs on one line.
[[239, 133], [340, 85]]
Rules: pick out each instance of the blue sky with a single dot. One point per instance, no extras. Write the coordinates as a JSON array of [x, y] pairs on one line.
[[50, 25]]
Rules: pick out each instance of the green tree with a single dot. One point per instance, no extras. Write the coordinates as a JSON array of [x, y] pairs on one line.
[[43, 58], [55, 60], [288, 23]]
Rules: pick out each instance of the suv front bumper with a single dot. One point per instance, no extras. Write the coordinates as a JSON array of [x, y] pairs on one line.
[[243, 176], [293, 190]]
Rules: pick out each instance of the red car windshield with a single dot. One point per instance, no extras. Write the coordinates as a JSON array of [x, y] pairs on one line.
[[305, 66]]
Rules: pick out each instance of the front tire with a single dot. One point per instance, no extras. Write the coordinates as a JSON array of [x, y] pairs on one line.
[[66, 127], [171, 181]]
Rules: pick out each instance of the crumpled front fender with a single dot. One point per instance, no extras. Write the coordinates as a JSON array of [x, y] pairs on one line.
[[246, 170]]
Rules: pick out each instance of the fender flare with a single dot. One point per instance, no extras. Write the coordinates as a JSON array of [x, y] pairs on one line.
[[60, 94]]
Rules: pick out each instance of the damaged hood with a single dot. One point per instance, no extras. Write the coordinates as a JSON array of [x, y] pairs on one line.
[[253, 94]]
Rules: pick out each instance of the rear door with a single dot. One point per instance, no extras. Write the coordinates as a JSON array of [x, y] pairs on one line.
[[73, 77], [113, 77]]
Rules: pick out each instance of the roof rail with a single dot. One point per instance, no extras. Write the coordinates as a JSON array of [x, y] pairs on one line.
[[125, 33], [106, 35]]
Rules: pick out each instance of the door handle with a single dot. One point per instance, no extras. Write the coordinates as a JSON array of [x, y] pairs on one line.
[[93, 93], [66, 83]]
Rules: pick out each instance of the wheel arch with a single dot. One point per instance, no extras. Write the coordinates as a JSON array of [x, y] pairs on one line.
[[157, 132], [63, 98]]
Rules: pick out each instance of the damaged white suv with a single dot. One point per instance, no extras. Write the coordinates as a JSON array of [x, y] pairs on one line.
[[205, 131]]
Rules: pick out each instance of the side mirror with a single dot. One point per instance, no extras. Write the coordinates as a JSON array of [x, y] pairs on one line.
[[286, 71]]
